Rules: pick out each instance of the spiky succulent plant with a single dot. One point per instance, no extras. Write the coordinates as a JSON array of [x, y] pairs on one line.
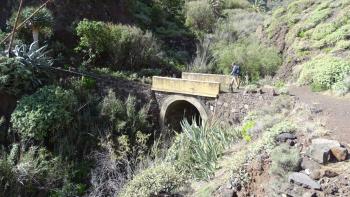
[[33, 56]]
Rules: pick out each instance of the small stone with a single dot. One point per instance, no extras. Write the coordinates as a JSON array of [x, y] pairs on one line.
[[310, 194], [316, 175], [283, 137], [339, 153], [329, 173], [309, 164], [304, 180]]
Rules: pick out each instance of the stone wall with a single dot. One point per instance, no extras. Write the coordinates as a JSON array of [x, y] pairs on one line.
[[231, 108]]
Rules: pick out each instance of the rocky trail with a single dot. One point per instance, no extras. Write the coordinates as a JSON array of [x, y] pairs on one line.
[[335, 110]]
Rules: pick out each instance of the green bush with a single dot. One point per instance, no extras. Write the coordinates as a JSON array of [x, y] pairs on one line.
[[234, 4], [322, 31], [121, 46], [47, 111], [2, 36], [15, 78], [36, 170], [197, 150], [285, 159], [254, 58], [324, 71], [237, 24], [124, 116], [200, 16], [155, 180]]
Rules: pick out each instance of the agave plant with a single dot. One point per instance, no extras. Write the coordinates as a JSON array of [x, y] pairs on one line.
[[33, 56]]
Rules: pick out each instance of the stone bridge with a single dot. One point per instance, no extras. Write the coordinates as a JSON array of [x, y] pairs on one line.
[[201, 97]]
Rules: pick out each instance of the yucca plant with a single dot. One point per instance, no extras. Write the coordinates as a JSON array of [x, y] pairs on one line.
[[33, 56], [198, 148]]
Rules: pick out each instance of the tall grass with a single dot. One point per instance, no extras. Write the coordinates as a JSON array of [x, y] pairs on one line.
[[197, 150]]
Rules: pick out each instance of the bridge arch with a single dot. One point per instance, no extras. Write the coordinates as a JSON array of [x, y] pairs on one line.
[[175, 107]]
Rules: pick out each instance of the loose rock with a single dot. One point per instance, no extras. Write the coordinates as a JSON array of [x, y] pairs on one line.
[[339, 153], [283, 137], [304, 180]]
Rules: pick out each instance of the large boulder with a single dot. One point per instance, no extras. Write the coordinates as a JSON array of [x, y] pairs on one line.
[[304, 180], [320, 149]]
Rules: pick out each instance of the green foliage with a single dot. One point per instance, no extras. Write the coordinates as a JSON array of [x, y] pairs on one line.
[[121, 46], [15, 78], [324, 71], [285, 159], [47, 111], [155, 180], [36, 170], [2, 36], [124, 115], [245, 130], [322, 31], [237, 24], [41, 22], [235, 4], [254, 58], [33, 56], [200, 16], [41, 19], [197, 150]]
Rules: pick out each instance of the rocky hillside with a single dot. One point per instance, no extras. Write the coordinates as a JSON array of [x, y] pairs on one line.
[[312, 35]]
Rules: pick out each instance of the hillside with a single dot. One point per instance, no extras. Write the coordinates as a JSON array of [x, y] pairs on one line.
[[79, 117], [314, 37]]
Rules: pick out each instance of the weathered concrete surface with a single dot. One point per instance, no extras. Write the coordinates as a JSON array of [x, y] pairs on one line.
[[184, 86], [224, 80], [226, 109]]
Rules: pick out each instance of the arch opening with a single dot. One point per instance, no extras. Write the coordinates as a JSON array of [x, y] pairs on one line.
[[178, 111], [175, 107]]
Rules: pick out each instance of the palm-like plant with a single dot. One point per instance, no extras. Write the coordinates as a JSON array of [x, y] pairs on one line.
[[41, 22]]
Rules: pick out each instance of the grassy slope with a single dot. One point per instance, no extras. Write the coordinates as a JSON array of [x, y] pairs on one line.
[[314, 28]]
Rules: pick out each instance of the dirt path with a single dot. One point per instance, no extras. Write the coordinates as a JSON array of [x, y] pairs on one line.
[[336, 111]]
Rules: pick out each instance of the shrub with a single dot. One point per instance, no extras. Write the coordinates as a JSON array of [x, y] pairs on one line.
[[234, 4], [237, 24], [342, 87], [322, 31], [15, 78], [204, 61], [285, 159], [124, 116], [155, 180], [197, 150], [35, 171], [47, 111], [2, 36], [254, 58], [121, 46], [324, 71], [200, 16]]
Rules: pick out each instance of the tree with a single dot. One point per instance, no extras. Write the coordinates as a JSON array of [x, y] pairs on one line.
[[41, 22]]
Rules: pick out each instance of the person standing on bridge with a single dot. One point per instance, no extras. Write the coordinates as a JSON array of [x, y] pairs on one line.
[[236, 71]]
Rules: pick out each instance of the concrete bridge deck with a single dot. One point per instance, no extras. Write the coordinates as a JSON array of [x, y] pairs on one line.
[[201, 97]]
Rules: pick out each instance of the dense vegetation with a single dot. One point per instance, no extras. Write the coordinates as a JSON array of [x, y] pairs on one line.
[[71, 134]]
